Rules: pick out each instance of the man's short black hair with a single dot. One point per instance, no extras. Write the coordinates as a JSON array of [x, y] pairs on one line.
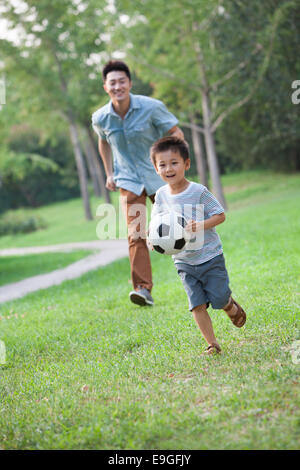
[[170, 143], [115, 66]]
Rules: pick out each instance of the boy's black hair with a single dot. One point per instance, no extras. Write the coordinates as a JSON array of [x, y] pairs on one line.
[[115, 65], [170, 143]]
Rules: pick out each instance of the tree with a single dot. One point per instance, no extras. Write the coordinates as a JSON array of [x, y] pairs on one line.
[[56, 42], [194, 51], [266, 128], [23, 134], [198, 151]]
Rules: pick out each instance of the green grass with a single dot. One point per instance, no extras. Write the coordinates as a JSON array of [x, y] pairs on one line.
[[256, 187], [88, 370], [65, 224], [16, 268]]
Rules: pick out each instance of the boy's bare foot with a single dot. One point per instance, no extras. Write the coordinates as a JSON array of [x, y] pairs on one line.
[[213, 349], [235, 312]]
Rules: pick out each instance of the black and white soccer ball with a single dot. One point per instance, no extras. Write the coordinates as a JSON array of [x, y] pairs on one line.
[[167, 234]]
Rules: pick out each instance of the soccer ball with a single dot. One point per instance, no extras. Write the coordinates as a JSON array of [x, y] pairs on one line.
[[167, 234]]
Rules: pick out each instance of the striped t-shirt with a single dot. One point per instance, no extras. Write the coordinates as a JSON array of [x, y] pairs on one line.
[[198, 204]]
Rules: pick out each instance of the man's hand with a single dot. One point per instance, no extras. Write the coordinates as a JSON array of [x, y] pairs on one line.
[[106, 155], [176, 132], [110, 184]]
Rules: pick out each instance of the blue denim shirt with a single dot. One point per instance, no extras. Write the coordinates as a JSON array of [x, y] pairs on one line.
[[131, 138]]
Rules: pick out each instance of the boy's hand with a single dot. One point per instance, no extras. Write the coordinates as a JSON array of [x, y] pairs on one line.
[[149, 244], [216, 219], [191, 226]]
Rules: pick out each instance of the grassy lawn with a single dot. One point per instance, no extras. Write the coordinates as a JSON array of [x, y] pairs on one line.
[[88, 370], [16, 268], [65, 224]]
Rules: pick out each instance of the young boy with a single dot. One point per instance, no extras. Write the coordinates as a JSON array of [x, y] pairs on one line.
[[202, 271]]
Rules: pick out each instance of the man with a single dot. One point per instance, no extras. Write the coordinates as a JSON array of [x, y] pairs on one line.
[[127, 127]]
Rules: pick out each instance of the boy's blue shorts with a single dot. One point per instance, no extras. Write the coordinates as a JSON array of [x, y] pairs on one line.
[[206, 283]]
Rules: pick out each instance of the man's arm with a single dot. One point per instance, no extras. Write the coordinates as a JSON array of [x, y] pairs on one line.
[[106, 156], [176, 132]]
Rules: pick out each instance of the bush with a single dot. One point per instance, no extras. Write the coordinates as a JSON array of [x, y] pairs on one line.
[[12, 223], [35, 171]]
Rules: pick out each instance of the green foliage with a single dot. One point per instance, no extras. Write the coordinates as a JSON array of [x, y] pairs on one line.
[[58, 55], [264, 133], [11, 223], [53, 72], [34, 170], [249, 51], [18, 166], [247, 48]]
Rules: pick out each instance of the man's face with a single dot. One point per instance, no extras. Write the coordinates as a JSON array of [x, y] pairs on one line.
[[118, 86]]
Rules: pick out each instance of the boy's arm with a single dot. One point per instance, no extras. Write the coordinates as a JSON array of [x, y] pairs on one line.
[[216, 219], [213, 213]]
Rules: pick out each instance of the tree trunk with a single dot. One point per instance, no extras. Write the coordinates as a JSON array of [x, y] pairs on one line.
[[75, 143], [91, 167], [199, 154], [98, 168], [211, 151], [80, 168], [211, 154]]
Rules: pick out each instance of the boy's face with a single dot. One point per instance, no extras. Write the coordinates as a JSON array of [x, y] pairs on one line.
[[171, 167], [117, 85]]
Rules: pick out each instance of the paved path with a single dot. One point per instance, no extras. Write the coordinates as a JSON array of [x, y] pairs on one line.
[[106, 252]]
